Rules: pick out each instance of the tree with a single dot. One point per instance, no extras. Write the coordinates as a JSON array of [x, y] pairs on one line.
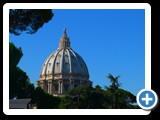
[[126, 99], [20, 20], [44, 100], [29, 20], [19, 84], [23, 86], [15, 55], [113, 89], [84, 97], [119, 98]]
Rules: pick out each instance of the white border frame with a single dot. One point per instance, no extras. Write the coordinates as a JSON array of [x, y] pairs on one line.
[[8, 6]]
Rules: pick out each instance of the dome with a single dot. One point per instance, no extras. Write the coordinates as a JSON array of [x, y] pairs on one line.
[[63, 69], [67, 62]]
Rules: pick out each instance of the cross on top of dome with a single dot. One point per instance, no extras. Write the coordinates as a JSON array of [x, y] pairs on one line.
[[65, 30]]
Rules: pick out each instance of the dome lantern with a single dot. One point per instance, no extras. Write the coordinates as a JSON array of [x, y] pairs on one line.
[[64, 41]]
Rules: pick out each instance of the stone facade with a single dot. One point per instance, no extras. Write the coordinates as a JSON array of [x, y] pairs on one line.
[[63, 70]]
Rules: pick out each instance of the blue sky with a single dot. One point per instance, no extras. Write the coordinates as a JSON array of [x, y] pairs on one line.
[[110, 41]]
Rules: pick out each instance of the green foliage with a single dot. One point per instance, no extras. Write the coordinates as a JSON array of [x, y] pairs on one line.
[[29, 20], [119, 98], [44, 100], [15, 55], [24, 88], [19, 84], [84, 97]]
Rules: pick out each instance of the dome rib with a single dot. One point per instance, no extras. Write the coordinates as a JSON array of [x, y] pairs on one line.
[[62, 62], [74, 53], [45, 67], [54, 62], [69, 61]]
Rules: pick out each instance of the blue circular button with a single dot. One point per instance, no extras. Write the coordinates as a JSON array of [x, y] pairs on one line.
[[147, 99]]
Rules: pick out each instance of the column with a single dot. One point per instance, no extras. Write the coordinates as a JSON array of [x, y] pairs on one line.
[[42, 85], [51, 87], [45, 85], [59, 87], [62, 87], [48, 87], [71, 84]]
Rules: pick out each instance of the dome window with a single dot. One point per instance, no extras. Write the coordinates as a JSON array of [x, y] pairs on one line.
[[66, 55]]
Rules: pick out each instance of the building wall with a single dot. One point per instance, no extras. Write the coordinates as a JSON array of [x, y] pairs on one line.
[[60, 86]]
